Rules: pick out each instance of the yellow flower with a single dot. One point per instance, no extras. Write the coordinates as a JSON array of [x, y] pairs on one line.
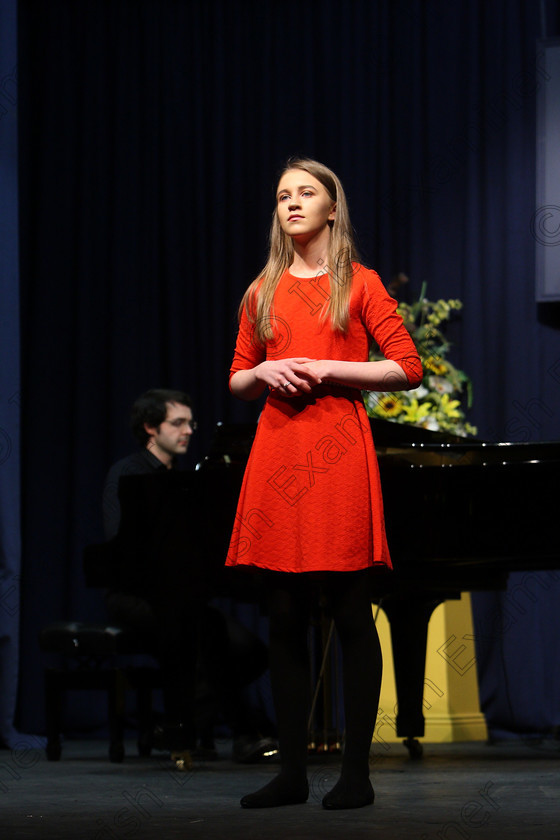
[[436, 365], [416, 411], [388, 405], [449, 407]]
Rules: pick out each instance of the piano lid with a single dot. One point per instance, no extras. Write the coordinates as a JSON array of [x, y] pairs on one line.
[[420, 447], [403, 444]]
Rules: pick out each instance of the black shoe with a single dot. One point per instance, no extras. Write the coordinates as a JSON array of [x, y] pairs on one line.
[[250, 749]]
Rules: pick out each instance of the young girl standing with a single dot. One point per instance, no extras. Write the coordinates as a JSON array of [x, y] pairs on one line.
[[310, 510]]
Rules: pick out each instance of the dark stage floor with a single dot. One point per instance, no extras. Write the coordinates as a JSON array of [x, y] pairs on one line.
[[456, 792]]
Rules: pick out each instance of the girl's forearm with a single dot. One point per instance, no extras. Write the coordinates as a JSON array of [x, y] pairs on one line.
[[385, 375], [303, 375], [246, 385]]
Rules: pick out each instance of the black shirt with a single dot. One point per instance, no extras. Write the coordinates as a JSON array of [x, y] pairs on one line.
[[139, 463]]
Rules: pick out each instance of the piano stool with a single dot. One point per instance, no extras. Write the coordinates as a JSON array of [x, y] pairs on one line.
[[91, 655]]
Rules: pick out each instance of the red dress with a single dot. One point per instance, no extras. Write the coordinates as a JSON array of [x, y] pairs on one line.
[[311, 495]]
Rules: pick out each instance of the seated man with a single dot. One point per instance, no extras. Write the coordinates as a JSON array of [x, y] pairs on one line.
[[160, 592]]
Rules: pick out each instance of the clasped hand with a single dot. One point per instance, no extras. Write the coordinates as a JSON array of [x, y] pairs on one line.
[[292, 377]]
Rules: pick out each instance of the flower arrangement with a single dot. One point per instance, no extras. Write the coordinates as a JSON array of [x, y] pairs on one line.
[[436, 403]]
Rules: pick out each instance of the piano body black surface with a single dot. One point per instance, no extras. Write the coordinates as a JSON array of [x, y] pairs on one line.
[[461, 514]]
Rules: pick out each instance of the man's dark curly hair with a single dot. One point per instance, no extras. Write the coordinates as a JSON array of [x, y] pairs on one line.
[[151, 408]]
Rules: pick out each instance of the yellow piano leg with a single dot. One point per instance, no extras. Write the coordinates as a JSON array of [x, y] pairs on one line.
[[451, 704]]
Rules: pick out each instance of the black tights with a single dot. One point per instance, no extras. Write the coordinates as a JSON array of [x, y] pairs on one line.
[[349, 602]]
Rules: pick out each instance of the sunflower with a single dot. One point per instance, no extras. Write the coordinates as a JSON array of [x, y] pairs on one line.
[[389, 405]]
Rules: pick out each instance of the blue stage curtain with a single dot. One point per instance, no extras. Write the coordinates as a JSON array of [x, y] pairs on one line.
[[10, 542], [150, 138], [518, 654]]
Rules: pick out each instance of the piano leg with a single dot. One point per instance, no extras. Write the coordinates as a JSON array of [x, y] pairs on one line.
[[409, 615]]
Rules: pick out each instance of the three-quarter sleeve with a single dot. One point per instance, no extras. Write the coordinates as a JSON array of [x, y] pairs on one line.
[[385, 325], [249, 352]]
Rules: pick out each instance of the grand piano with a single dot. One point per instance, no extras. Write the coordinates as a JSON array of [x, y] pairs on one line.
[[461, 515]]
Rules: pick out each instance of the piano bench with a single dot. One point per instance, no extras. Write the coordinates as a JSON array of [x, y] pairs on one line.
[[91, 653]]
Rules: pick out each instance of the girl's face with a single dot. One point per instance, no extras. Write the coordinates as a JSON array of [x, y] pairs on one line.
[[303, 205]]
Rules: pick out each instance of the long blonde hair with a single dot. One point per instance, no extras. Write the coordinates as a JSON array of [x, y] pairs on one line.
[[258, 299]]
